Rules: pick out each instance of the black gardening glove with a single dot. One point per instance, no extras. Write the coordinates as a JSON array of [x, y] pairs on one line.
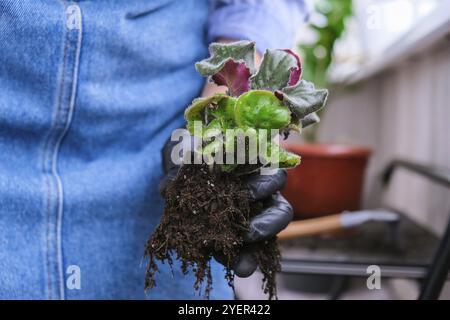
[[274, 217], [169, 168]]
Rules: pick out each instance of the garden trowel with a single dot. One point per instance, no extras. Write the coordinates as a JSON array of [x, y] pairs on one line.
[[336, 222]]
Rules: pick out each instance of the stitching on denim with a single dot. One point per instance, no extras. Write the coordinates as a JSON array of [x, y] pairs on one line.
[[70, 110], [47, 258], [48, 174], [68, 119], [46, 160]]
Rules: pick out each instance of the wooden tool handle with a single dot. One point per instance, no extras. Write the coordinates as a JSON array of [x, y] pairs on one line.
[[311, 227]]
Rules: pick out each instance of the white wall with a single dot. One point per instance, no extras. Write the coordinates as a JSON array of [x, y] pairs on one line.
[[402, 113]]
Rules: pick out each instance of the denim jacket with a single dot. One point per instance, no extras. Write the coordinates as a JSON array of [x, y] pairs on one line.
[[89, 91]]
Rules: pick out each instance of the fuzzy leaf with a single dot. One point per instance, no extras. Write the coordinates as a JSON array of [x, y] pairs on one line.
[[194, 111], [303, 98], [288, 159], [223, 111], [230, 64], [234, 75], [275, 70], [310, 119], [261, 109], [220, 53], [283, 158]]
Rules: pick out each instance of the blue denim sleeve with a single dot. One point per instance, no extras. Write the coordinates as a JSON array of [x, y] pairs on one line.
[[271, 23]]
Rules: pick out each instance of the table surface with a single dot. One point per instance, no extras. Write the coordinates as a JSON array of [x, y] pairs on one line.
[[404, 250]]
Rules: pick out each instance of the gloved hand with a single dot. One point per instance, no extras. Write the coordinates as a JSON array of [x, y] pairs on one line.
[[170, 169], [274, 217]]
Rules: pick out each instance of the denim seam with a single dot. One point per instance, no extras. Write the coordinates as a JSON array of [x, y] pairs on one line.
[[62, 118], [56, 152], [46, 151], [47, 253]]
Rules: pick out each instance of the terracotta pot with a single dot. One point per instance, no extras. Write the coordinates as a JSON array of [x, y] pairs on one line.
[[329, 179]]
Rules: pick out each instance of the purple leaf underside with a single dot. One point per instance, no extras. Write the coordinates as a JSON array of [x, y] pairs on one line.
[[234, 75], [296, 73]]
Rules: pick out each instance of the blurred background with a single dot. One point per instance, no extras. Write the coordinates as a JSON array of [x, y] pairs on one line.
[[387, 66]]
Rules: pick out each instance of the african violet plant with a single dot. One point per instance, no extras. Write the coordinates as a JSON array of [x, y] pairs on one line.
[[207, 212], [272, 97]]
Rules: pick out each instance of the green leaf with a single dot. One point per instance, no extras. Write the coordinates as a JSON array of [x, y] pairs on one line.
[[303, 98], [275, 70], [261, 109], [195, 111], [224, 112], [288, 159], [221, 53], [215, 124], [285, 159]]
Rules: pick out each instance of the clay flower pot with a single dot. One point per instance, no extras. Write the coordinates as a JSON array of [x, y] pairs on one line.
[[329, 179]]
